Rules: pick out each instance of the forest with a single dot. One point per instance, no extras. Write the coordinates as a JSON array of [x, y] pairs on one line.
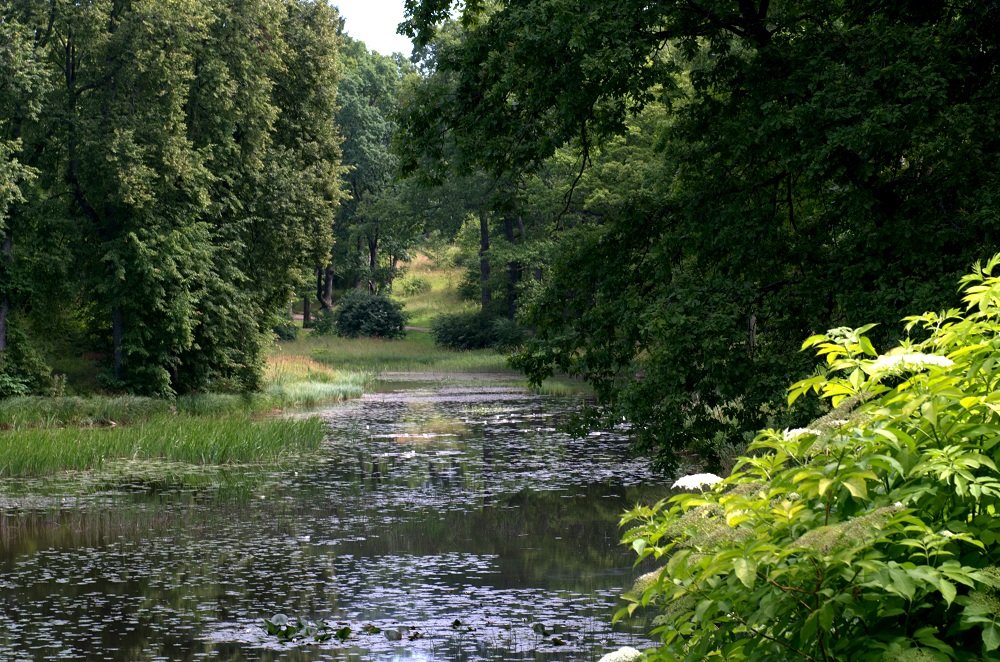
[[664, 200]]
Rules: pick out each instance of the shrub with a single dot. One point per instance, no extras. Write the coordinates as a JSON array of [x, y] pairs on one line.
[[22, 370], [508, 335], [361, 314], [475, 331], [412, 285], [286, 331], [870, 535], [462, 331], [323, 323]]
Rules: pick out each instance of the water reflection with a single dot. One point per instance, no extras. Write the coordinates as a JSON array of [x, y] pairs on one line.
[[438, 523]]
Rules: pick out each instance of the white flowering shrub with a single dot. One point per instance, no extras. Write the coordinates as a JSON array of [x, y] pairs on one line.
[[624, 654], [696, 481], [870, 535]]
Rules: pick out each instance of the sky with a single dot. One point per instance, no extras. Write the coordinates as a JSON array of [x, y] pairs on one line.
[[374, 22]]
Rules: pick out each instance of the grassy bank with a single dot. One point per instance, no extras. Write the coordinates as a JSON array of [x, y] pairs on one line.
[[231, 439], [43, 435]]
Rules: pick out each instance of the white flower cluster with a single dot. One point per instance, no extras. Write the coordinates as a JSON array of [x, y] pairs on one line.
[[696, 481], [795, 433], [909, 362], [625, 654]]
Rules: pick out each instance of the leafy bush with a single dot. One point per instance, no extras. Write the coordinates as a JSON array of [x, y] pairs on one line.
[[870, 535], [323, 323], [361, 314], [22, 370], [507, 334], [287, 331], [462, 331], [476, 331], [412, 285]]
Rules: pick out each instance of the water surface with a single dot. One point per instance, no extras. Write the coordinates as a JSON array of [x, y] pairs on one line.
[[438, 522]]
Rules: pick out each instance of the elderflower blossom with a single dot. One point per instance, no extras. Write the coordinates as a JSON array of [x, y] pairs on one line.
[[696, 481], [624, 654], [909, 361], [795, 433]]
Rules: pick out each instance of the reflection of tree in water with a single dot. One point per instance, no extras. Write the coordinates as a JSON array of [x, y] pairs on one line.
[[503, 509]]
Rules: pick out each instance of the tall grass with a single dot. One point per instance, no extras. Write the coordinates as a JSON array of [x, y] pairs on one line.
[[40, 411], [182, 438]]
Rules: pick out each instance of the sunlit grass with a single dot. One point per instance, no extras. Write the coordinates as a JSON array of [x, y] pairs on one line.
[[562, 386], [415, 352], [442, 297], [179, 438]]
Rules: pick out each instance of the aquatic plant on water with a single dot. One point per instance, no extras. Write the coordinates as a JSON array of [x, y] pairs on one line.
[[870, 535], [288, 630]]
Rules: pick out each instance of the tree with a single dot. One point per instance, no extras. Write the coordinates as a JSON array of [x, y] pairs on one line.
[[188, 168], [811, 168], [369, 91], [21, 80]]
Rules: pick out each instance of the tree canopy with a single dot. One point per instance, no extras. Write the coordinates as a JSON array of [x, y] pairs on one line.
[[760, 171], [173, 166]]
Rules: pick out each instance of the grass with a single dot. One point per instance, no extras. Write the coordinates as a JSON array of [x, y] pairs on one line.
[[416, 352], [442, 297], [232, 439], [48, 412], [44, 435]]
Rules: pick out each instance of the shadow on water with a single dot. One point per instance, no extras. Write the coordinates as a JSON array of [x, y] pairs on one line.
[[438, 522]]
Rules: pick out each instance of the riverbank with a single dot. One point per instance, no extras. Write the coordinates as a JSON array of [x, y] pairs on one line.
[[40, 435]]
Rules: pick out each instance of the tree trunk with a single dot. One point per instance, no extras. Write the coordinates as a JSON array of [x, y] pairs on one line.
[[306, 317], [324, 287], [484, 261], [513, 267], [6, 252], [372, 264], [117, 338]]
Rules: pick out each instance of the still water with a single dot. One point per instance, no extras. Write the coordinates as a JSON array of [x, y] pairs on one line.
[[438, 522]]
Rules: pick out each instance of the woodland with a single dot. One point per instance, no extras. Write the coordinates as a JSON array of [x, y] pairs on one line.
[[661, 199], [666, 198]]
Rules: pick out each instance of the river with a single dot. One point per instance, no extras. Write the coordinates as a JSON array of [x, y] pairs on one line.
[[439, 521]]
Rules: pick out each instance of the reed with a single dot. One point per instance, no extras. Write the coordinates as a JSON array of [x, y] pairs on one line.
[[234, 439], [49, 412]]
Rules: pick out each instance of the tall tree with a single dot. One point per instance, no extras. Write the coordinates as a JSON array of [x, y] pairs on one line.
[[817, 165], [192, 144], [23, 83], [368, 96]]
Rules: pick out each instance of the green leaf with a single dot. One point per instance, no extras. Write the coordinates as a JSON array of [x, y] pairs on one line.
[[947, 590], [746, 571], [991, 637], [857, 486]]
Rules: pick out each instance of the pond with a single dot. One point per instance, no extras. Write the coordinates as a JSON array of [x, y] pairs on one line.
[[438, 522]]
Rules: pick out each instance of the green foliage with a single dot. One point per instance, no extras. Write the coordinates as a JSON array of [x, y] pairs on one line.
[[233, 439], [476, 331], [302, 630], [22, 370], [411, 285], [704, 182], [463, 331], [324, 324], [372, 315], [167, 185], [286, 331], [870, 535]]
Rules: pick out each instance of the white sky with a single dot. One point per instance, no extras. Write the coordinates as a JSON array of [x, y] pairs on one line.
[[374, 22]]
